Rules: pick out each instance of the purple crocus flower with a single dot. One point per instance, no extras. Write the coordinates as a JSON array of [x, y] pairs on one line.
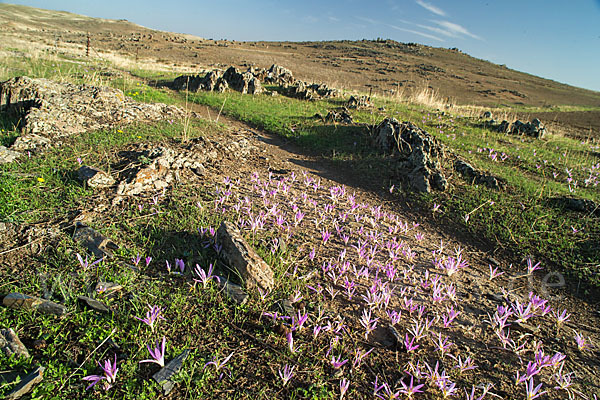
[[152, 316], [204, 276], [338, 363], [158, 353], [110, 374], [286, 373]]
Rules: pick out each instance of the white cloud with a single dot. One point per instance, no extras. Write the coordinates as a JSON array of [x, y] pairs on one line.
[[333, 19], [430, 7], [416, 33], [454, 30], [309, 19], [369, 20]]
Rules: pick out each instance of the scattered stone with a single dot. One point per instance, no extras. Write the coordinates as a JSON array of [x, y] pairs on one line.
[[7, 156], [286, 307], [534, 129], [93, 304], [340, 115], [49, 109], [98, 244], [578, 205], [24, 302], [94, 177], [26, 384], [303, 91], [417, 153], [31, 142], [163, 376], [239, 255], [398, 340], [359, 102], [162, 167], [39, 344], [11, 344], [233, 291], [473, 175]]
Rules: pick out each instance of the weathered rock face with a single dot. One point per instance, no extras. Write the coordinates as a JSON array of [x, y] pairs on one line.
[[11, 344], [302, 90], [359, 102], [473, 175], [8, 156], [20, 301], [49, 109], [417, 150], [278, 75], [534, 129], [94, 177], [239, 255], [219, 82], [163, 165], [340, 115]]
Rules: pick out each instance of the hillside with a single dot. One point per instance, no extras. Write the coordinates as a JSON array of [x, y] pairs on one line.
[[385, 67]]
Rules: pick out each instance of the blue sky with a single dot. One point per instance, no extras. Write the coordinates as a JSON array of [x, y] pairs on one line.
[[555, 39]]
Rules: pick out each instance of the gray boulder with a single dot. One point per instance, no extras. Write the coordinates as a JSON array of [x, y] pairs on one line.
[[417, 152]]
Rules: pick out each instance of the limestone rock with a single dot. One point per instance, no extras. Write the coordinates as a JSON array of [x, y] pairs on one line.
[[25, 302], [534, 129], [95, 177], [163, 376], [52, 109], [95, 242], [417, 151], [11, 344], [26, 384], [93, 304], [8, 156], [359, 102], [240, 256], [233, 291], [472, 175]]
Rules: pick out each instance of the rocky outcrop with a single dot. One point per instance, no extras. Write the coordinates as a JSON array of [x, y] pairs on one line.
[[276, 75], [49, 109], [359, 102], [216, 81], [304, 91], [341, 115], [417, 151], [472, 175], [161, 169], [534, 129]]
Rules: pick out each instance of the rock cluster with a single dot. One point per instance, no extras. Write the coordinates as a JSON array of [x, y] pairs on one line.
[[217, 81], [48, 110], [341, 114], [468, 172], [417, 151], [534, 129], [302, 90], [359, 102], [251, 82]]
